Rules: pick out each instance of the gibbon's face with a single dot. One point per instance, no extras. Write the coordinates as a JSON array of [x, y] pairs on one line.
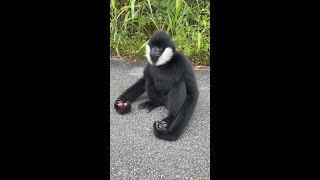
[[160, 49]]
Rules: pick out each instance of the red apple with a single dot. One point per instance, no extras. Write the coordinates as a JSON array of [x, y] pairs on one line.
[[121, 105]]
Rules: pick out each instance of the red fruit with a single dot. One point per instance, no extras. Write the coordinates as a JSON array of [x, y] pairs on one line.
[[121, 105]]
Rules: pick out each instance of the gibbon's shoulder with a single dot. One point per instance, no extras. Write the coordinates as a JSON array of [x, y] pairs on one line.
[[181, 60]]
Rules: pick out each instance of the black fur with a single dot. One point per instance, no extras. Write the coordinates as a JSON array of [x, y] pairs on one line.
[[172, 85]]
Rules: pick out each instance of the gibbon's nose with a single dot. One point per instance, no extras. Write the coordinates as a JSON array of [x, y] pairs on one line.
[[155, 51]]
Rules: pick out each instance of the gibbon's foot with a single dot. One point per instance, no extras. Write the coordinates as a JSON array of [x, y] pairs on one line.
[[164, 123], [148, 104], [122, 107], [162, 131]]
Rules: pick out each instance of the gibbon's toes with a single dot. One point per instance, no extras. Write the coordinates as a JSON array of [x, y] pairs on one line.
[[146, 104], [150, 108], [162, 131], [142, 105], [161, 125]]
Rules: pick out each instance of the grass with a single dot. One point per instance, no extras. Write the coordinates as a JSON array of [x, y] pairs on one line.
[[133, 22]]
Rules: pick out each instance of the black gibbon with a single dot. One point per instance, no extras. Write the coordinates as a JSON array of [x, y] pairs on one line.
[[169, 80]]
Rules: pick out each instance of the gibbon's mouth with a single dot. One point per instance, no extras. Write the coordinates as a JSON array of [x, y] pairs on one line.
[[154, 58]]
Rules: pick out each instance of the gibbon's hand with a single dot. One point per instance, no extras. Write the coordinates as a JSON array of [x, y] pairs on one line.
[[122, 107]]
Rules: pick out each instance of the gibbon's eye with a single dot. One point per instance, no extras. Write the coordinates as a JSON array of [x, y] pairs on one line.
[[155, 51]]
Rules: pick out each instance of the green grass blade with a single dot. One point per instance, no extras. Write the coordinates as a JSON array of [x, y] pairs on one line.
[[149, 3], [143, 46], [132, 8], [199, 41]]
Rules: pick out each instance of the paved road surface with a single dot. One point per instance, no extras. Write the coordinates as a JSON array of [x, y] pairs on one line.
[[134, 151]]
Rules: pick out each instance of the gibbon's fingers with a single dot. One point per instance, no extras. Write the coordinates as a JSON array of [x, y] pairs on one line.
[[161, 124]]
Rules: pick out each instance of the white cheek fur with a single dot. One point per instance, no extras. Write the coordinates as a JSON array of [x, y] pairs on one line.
[[165, 56], [148, 54]]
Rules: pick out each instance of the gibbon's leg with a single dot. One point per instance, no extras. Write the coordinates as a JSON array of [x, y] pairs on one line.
[[173, 129], [128, 96], [175, 100], [154, 95]]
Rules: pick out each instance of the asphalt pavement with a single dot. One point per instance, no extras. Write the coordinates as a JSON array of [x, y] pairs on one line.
[[135, 153]]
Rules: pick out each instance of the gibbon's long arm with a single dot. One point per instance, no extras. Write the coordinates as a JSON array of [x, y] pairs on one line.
[[172, 127], [129, 95], [133, 91]]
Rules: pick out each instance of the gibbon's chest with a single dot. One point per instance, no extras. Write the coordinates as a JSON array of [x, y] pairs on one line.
[[164, 79]]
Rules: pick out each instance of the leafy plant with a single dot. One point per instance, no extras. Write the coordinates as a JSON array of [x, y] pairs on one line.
[[133, 22]]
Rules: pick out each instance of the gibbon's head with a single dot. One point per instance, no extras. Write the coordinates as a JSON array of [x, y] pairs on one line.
[[160, 48]]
